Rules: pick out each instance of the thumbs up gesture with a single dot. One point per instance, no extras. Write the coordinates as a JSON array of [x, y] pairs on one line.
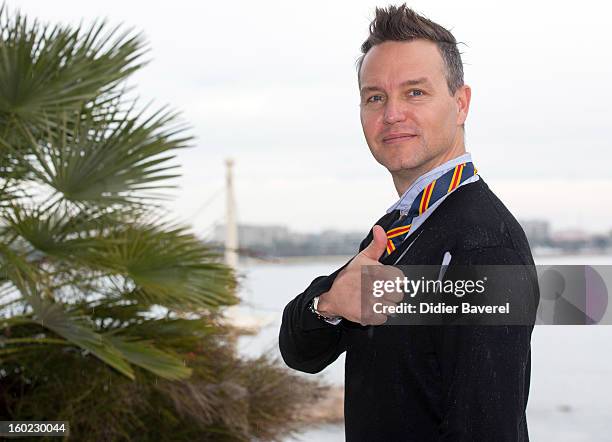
[[345, 298]]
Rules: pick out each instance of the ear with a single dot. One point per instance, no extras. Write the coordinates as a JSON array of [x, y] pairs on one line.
[[463, 96]]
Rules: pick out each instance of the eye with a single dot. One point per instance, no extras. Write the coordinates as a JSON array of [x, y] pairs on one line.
[[372, 99], [417, 92]]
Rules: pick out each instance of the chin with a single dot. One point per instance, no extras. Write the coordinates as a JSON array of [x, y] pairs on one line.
[[397, 164], [401, 157]]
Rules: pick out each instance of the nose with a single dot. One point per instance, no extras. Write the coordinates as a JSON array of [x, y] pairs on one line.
[[393, 112]]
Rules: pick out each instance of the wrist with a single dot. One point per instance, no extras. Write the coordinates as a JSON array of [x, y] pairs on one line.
[[325, 307]]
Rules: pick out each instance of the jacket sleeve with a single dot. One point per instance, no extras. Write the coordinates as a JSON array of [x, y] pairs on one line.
[[485, 369], [306, 342]]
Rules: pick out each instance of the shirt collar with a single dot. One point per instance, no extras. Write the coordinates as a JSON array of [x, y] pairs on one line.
[[404, 203]]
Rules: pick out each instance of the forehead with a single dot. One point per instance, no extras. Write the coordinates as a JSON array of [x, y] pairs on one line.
[[396, 61]]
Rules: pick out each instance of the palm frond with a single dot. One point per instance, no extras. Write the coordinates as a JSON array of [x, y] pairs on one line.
[[49, 71], [141, 353], [109, 314], [169, 266], [103, 164], [78, 332]]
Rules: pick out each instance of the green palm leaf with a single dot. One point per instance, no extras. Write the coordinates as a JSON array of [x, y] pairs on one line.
[[109, 313], [103, 164], [81, 173], [141, 353], [169, 266], [47, 72], [77, 331]]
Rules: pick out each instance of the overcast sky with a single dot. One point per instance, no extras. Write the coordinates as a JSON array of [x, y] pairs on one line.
[[273, 85]]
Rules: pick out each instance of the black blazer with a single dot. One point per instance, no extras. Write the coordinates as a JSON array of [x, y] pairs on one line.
[[430, 383]]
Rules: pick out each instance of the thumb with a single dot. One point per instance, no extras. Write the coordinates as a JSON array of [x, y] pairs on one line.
[[378, 245]]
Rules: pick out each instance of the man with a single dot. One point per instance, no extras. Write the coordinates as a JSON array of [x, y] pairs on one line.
[[420, 383]]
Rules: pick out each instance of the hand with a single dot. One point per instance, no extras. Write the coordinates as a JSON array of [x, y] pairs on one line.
[[345, 298]]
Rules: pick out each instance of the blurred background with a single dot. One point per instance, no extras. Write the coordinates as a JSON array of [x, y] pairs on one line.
[[272, 85]]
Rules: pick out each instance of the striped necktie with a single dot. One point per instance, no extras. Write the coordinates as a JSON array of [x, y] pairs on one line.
[[435, 190]]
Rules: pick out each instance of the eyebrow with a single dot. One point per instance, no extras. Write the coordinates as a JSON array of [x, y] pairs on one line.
[[415, 82]]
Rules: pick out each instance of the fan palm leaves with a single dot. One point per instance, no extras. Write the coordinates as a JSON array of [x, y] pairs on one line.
[[110, 307], [89, 262]]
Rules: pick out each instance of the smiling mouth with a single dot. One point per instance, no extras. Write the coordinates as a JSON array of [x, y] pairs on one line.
[[397, 139]]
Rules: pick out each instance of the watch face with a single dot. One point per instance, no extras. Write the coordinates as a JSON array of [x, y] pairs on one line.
[[311, 307]]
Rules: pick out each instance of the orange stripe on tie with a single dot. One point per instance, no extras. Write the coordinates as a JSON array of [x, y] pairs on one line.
[[396, 229], [390, 246], [400, 232], [423, 198], [456, 177], [426, 197], [475, 171], [433, 184], [453, 182], [459, 174]]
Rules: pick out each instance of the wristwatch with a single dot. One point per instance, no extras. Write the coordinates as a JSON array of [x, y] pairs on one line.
[[313, 308]]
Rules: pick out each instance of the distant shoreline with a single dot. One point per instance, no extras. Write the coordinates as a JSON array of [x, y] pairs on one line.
[[296, 259], [335, 258]]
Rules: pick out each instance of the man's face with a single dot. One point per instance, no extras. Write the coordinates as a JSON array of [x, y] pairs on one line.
[[409, 119]]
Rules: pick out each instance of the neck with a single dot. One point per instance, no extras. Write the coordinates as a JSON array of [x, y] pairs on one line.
[[403, 179]]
